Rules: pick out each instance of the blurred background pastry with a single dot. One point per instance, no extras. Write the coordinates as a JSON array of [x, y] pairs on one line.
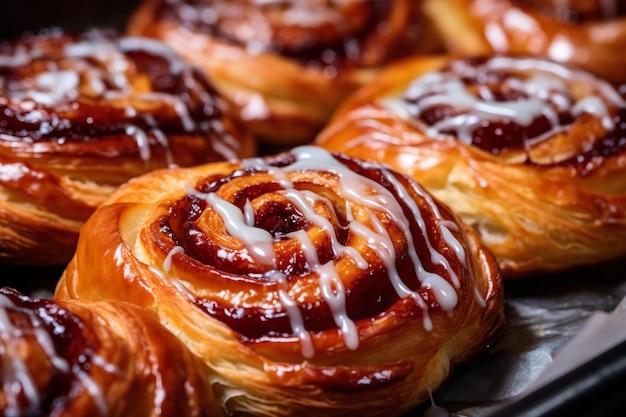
[[287, 64], [587, 33], [81, 114], [94, 359]]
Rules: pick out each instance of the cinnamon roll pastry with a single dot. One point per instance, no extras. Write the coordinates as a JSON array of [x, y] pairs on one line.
[[309, 282], [80, 115], [588, 33], [287, 64], [529, 152], [94, 359]]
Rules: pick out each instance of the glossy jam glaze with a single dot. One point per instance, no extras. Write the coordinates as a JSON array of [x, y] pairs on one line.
[[321, 32], [504, 103], [68, 347], [308, 242], [106, 95]]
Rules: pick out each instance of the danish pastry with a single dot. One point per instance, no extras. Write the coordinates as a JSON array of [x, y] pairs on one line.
[[94, 359], [287, 64], [588, 33], [310, 283], [81, 114], [528, 151]]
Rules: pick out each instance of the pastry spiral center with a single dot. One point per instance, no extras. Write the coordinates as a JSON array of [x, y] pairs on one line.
[[280, 219], [322, 244]]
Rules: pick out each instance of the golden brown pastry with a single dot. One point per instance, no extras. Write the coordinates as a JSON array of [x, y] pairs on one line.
[[81, 114], [310, 283], [587, 33], [287, 64], [69, 358], [529, 152]]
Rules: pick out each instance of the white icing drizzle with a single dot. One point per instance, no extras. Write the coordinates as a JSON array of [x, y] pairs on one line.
[[297, 324], [179, 107], [165, 144], [167, 263], [154, 47], [361, 262], [94, 390], [380, 241], [17, 378], [360, 191], [334, 294], [435, 410], [359, 188], [293, 313], [260, 164], [53, 86], [304, 201], [544, 83], [142, 141], [180, 287], [605, 89], [307, 246], [259, 242], [248, 214], [442, 225], [445, 295]]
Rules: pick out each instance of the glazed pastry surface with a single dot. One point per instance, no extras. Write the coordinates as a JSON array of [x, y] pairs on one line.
[[81, 114], [527, 151], [287, 64], [310, 283], [590, 34], [69, 358]]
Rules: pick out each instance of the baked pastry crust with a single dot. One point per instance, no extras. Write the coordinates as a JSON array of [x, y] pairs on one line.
[[95, 359], [80, 115], [310, 283], [286, 64], [527, 151], [590, 34]]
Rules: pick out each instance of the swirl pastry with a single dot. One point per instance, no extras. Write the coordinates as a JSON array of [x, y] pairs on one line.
[[529, 152], [588, 33], [94, 359], [79, 115], [309, 282], [286, 64]]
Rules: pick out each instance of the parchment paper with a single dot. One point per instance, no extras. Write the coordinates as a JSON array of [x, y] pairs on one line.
[[543, 314]]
